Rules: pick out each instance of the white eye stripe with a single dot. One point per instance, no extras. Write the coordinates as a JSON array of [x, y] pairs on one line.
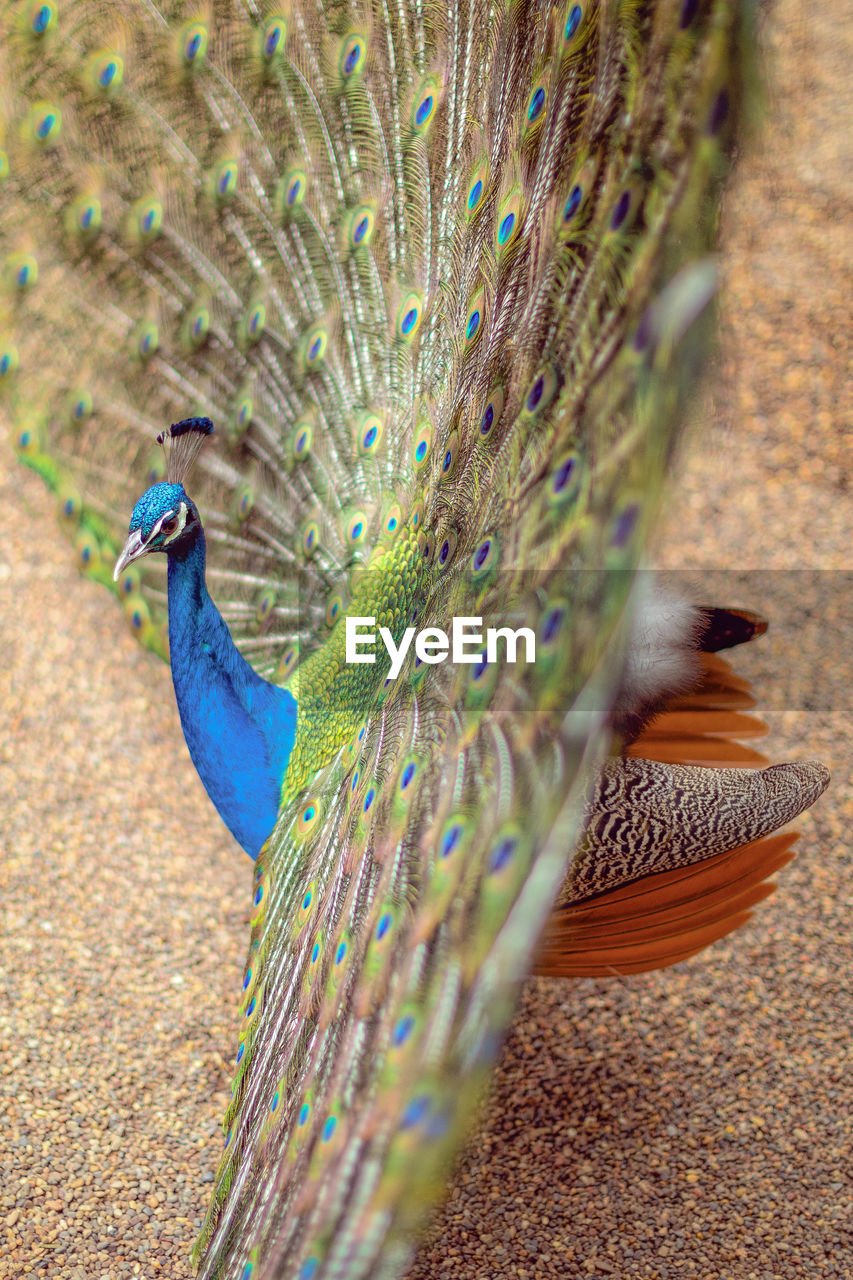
[[178, 530]]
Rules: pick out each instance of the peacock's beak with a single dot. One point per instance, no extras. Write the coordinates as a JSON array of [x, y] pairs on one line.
[[133, 549]]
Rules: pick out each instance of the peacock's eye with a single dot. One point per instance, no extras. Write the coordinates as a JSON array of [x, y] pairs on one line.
[[170, 525]]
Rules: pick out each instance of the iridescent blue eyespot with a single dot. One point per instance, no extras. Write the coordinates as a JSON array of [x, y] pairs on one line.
[[384, 925], [482, 553], [306, 901], [108, 74], [351, 61], [473, 325], [537, 102], [502, 854], [315, 953], [304, 1114], [410, 319], [360, 231], [354, 783], [719, 112], [423, 111], [356, 530], [247, 978], [415, 1112], [309, 1269], [573, 203], [45, 125], [340, 954], [553, 622], [487, 420], [403, 1030], [241, 1051], [329, 1128], [573, 21], [369, 437], [688, 13], [535, 393], [420, 452], [368, 799], [444, 552], [41, 20], [562, 476], [624, 526], [505, 229], [276, 1098], [259, 895], [479, 668], [247, 1271], [451, 839], [293, 191], [474, 194], [252, 1006], [274, 38], [620, 211], [408, 774], [228, 1138], [314, 349]]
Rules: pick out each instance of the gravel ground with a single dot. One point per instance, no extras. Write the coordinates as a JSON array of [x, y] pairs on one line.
[[690, 1123]]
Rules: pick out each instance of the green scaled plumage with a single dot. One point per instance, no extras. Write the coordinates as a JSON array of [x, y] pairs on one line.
[[424, 265]]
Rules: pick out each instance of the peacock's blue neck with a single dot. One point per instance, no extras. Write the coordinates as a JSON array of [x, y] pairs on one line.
[[238, 727]]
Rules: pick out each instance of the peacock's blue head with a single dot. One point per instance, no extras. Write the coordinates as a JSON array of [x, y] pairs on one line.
[[164, 519]]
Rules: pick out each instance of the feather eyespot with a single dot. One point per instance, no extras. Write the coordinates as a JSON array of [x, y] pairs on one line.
[[393, 519], [45, 123], [290, 191], [357, 529], [309, 818], [106, 73], [310, 537], [272, 38], [450, 455], [352, 56], [333, 609], [409, 316], [446, 552], [360, 226], [423, 109], [536, 104], [43, 19], [302, 440], [9, 360], [193, 44], [624, 525], [508, 223], [567, 480], [148, 341], [476, 316], [422, 445], [541, 392], [475, 192], [315, 344], [574, 21], [369, 434], [552, 623], [485, 559]]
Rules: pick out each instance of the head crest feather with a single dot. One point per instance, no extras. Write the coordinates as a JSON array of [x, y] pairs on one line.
[[181, 444]]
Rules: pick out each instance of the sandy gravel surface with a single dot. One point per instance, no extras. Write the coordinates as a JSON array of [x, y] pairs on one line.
[[692, 1123]]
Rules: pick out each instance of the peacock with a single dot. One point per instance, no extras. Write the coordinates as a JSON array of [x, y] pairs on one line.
[[389, 312]]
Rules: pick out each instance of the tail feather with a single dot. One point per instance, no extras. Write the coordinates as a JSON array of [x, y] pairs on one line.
[[662, 918]]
